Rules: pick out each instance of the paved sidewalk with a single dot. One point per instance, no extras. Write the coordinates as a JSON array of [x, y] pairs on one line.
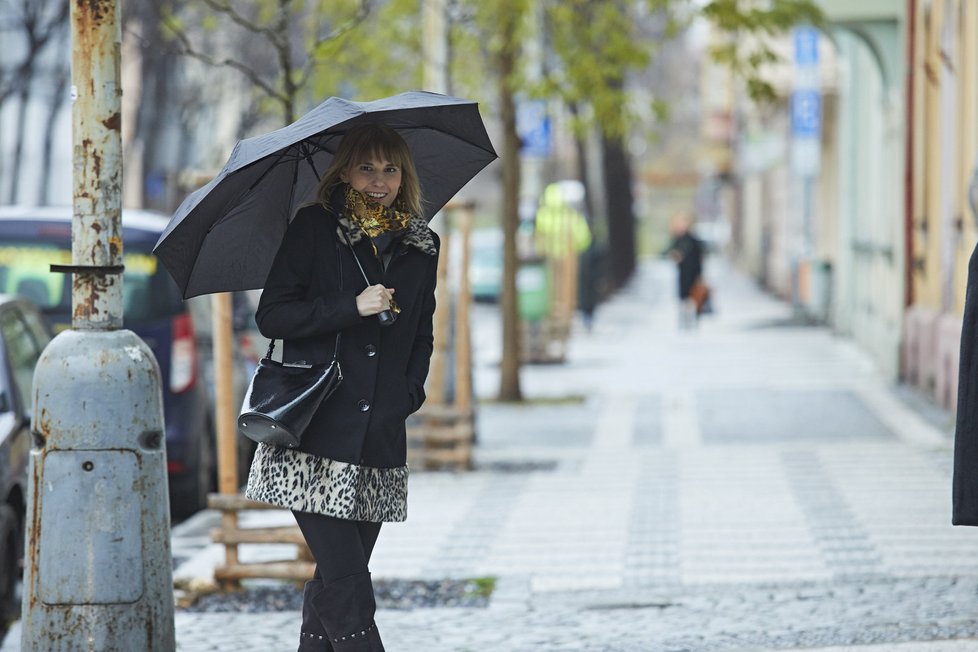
[[752, 485]]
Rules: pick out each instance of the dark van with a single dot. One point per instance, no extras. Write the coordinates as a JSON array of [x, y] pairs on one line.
[[31, 239]]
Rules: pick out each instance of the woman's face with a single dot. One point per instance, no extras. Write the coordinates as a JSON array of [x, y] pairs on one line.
[[376, 178]]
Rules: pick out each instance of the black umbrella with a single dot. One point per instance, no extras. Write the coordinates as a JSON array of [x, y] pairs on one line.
[[224, 236]]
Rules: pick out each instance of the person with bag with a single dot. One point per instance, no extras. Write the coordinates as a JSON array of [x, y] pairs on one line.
[[361, 249], [686, 250]]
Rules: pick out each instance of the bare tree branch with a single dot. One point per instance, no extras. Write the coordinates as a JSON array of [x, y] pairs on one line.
[[225, 8], [363, 12], [38, 33], [186, 48]]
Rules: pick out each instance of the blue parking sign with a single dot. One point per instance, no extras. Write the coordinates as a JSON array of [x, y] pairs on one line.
[[533, 126], [806, 113], [806, 46]]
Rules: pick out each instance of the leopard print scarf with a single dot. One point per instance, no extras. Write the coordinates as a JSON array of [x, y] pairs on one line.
[[375, 219]]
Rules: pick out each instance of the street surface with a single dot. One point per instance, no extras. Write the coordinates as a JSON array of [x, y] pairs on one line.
[[753, 485]]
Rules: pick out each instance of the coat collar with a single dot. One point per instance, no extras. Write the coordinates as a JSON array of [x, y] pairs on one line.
[[418, 234]]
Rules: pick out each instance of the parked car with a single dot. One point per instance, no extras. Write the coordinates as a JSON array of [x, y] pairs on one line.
[[33, 238], [23, 335], [486, 264]]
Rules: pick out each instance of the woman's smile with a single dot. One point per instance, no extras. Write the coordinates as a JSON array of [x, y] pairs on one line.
[[376, 178]]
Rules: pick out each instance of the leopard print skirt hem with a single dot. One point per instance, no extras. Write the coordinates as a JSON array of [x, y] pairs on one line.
[[307, 483]]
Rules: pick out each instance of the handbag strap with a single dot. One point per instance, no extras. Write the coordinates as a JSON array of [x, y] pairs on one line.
[[336, 346]]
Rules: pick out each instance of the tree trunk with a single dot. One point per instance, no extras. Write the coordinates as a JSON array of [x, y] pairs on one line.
[[580, 145], [55, 102], [509, 373], [20, 129], [617, 172], [157, 101]]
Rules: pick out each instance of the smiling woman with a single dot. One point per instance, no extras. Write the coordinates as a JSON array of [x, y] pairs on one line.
[[348, 474]]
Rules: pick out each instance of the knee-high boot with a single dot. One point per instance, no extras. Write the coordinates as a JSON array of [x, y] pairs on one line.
[[313, 636], [346, 609]]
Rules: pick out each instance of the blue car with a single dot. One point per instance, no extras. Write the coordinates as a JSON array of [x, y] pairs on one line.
[[31, 239]]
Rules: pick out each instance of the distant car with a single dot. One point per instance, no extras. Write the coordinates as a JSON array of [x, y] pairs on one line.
[[23, 335], [486, 264], [33, 238]]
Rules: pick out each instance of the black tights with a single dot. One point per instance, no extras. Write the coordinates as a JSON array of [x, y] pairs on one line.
[[340, 547]]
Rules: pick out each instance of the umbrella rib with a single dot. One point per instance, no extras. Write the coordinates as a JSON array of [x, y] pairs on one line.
[[267, 170], [307, 154], [245, 191]]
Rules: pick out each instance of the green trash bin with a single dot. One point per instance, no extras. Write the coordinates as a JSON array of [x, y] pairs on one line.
[[532, 291]]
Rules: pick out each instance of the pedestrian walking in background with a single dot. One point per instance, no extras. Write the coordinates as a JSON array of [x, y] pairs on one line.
[[687, 251], [349, 474]]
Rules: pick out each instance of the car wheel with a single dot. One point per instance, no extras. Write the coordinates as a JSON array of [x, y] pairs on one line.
[[10, 545]]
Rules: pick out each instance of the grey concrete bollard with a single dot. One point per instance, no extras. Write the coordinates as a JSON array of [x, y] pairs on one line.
[[98, 571]]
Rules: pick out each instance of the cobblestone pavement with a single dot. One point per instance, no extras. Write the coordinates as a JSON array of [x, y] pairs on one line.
[[750, 486]]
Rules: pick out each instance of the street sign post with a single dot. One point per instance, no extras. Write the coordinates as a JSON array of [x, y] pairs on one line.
[[533, 125], [806, 161]]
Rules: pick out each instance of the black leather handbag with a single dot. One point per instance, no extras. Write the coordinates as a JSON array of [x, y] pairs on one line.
[[282, 397]]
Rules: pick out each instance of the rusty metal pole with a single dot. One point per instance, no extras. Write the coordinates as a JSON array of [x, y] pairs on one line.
[[98, 573]]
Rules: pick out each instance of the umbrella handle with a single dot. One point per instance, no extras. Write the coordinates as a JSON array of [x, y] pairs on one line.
[[386, 318]]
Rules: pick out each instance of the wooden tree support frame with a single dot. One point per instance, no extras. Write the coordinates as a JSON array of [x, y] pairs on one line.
[[441, 438], [229, 575], [545, 341], [442, 434]]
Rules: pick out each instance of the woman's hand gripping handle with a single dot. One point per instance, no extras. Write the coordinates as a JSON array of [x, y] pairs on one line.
[[377, 300]]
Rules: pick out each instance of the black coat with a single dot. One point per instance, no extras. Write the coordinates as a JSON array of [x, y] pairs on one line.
[[689, 251], [384, 369], [965, 485]]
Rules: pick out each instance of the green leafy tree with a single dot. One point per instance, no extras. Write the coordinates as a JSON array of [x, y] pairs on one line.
[[278, 46], [288, 54], [596, 46], [747, 57], [488, 46]]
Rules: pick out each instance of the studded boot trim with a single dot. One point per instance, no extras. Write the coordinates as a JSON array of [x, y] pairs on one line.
[[361, 634]]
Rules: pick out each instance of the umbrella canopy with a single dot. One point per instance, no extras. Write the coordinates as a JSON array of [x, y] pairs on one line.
[[224, 236]]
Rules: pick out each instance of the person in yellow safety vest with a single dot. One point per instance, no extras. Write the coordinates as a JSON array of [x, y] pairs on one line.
[[560, 229]]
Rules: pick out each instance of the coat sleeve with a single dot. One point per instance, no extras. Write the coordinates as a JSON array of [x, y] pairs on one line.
[[423, 345], [286, 311], [965, 482]]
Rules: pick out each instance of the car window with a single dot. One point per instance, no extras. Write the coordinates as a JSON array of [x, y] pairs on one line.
[[148, 291], [37, 328], [22, 351]]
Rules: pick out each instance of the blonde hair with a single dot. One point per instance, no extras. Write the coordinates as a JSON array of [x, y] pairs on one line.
[[383, 142]]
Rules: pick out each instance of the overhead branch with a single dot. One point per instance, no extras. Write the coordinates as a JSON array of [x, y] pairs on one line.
[[363, 12], [187, 49], [224, 7], [38, 33]]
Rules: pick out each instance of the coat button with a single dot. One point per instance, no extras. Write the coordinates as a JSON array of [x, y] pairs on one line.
[[371, 350], [363, 405]]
